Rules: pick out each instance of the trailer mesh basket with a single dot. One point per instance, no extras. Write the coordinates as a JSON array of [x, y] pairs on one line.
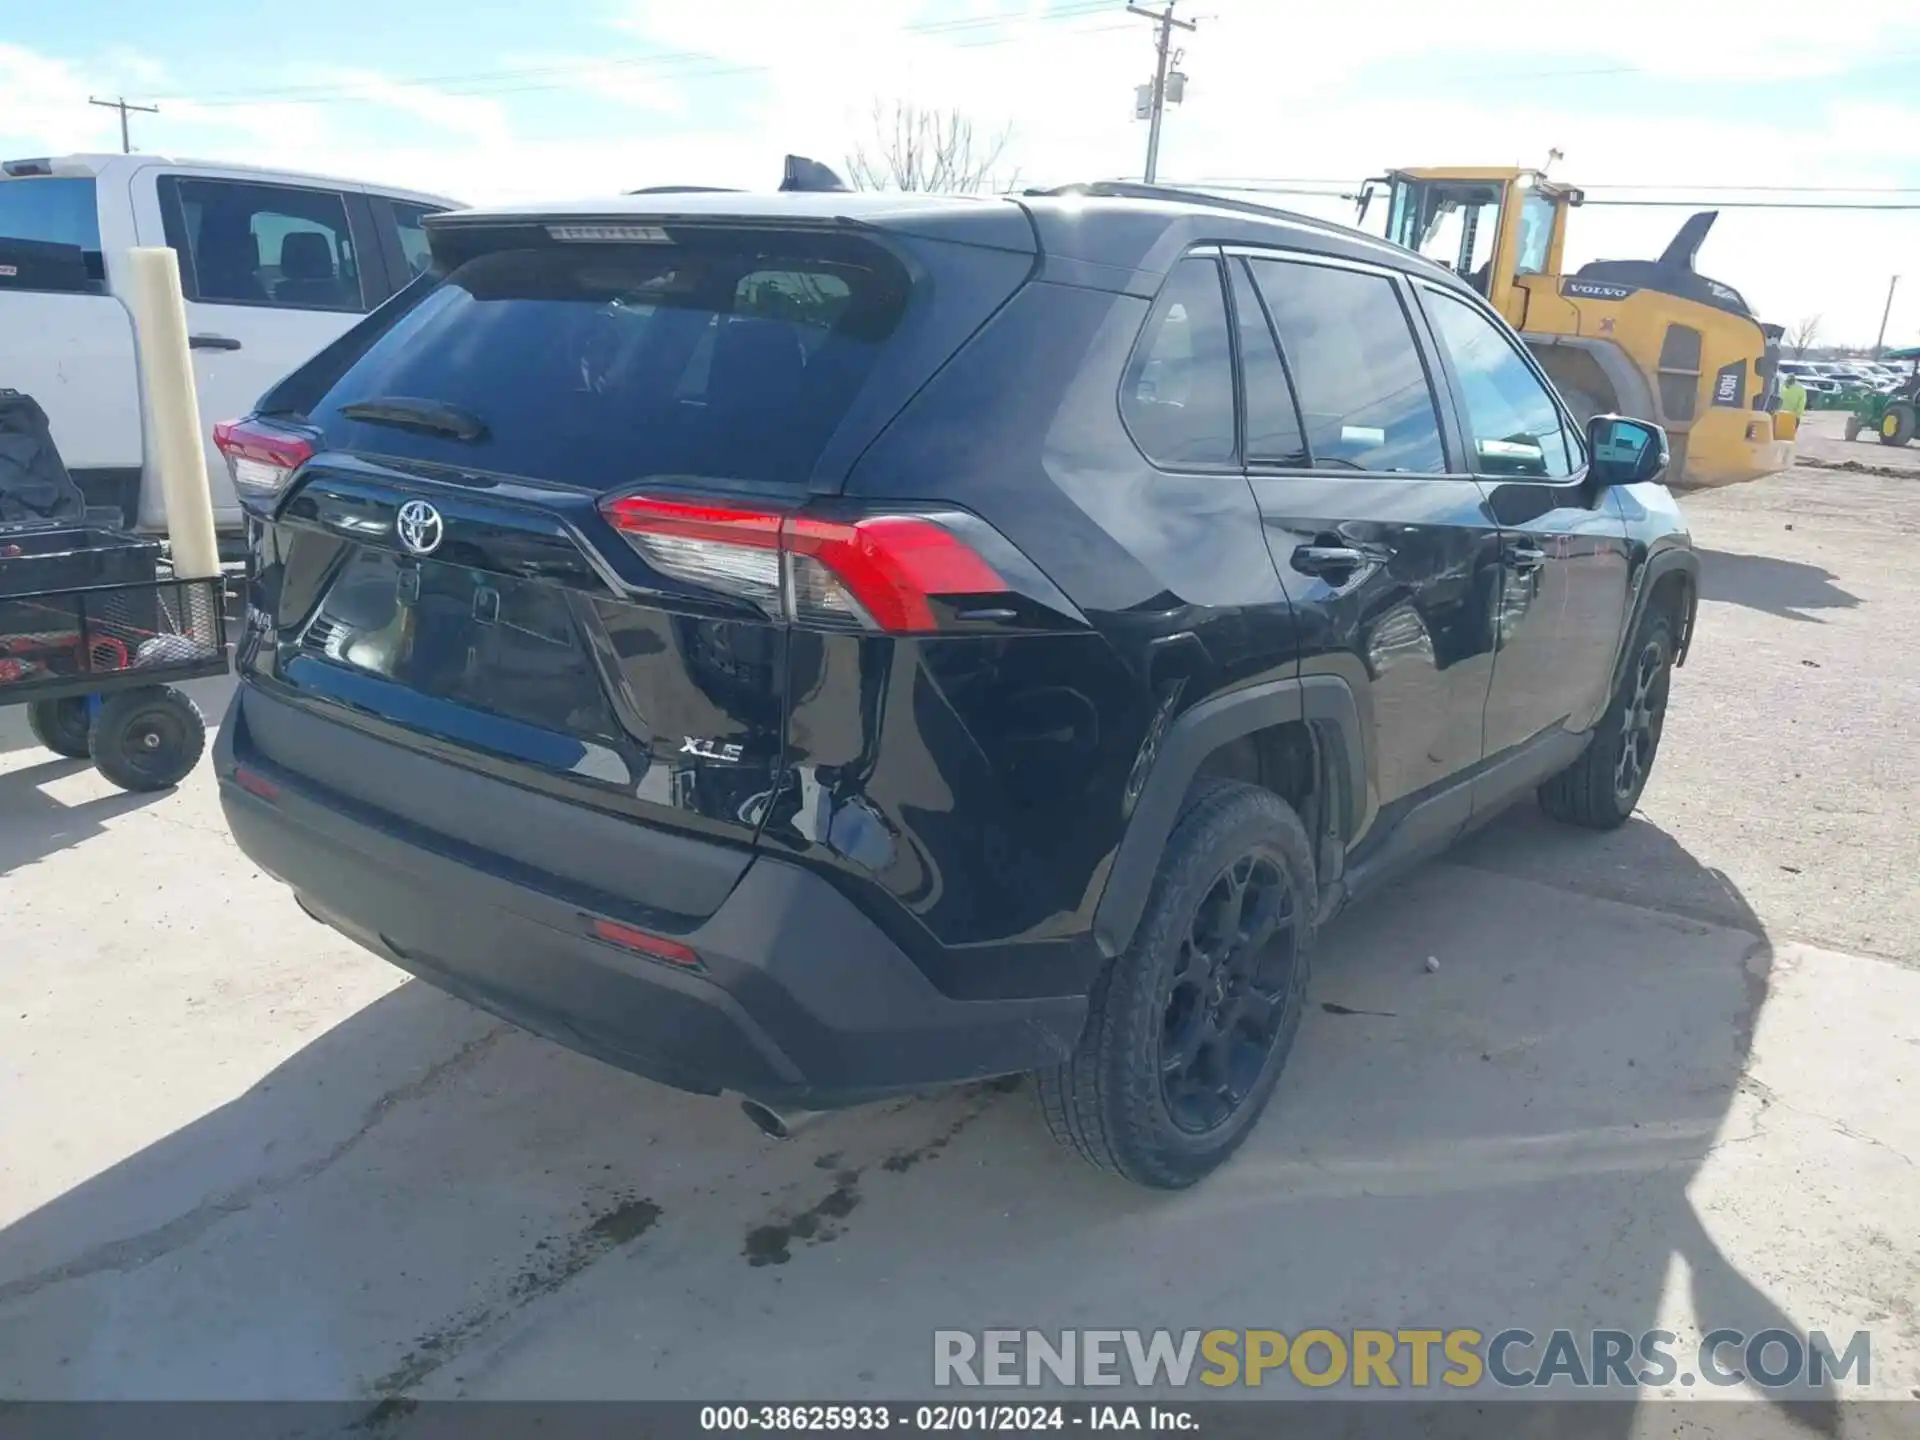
[[113, 634]]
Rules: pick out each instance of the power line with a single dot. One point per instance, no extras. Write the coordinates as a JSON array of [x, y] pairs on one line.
[[1698, 202]]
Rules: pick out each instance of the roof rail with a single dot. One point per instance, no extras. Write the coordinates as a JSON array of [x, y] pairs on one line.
[[1134, 190]]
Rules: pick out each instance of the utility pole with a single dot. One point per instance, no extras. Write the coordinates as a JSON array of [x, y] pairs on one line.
[[120, 103], [1157, 102], [1881, 343]]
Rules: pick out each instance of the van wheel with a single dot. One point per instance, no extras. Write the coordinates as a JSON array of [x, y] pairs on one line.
[[1601, 788], [61, 725], [1187, 1031], [148, 739]]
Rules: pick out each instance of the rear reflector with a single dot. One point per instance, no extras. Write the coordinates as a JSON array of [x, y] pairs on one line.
[[656, 946], [879, 572], [261, 458], [255, 784]]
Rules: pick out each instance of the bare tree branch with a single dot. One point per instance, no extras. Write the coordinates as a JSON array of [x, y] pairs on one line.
[[929, 151], [1801, 337]]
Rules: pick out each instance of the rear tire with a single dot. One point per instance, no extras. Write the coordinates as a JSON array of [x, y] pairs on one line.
[[148, 739], [1600, 789], [61, 725], [1189, 1028], [1897, 425]]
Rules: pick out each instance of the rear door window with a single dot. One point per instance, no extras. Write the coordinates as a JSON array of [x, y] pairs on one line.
[[603, 365], [413, 237], [1273, 423], [50, 235], [271, 245], [1364, 394], [1178, 395]]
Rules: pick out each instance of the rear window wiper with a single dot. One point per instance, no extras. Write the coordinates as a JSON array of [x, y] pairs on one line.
[[436, 417]]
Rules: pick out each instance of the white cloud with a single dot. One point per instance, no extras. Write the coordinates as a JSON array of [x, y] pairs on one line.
[[1275, 90]]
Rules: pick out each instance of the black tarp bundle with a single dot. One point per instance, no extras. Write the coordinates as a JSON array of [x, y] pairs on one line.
[[34, 483]]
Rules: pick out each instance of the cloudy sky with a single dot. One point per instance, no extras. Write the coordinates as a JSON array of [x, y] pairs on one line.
[[483, 100]]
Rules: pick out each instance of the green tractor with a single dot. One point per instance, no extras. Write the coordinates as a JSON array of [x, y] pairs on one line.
[[1893, 415]]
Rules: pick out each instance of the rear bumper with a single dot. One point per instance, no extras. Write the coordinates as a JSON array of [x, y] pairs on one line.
[[801, 1001]]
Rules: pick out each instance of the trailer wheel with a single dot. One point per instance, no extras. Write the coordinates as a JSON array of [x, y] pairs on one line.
[[61, 725], [148, 739], [1897, 425]]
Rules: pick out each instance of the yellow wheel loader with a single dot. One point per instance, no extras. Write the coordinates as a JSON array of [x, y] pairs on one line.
[[1650, 338]]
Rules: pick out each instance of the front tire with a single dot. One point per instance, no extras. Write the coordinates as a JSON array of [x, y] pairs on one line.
[[148, 739], [1600, 789], [61, 725], [1189, 1028]]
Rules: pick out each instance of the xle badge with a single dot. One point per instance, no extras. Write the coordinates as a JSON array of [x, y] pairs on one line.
[[712, 749]]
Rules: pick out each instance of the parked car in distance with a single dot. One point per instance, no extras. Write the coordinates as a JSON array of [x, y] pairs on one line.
[[818, 646], [274, 266]]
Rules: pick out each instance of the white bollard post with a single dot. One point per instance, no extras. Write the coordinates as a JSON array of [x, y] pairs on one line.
[[174, 446]]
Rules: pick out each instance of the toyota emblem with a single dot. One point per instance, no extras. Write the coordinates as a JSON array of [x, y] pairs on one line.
[[419, 527]]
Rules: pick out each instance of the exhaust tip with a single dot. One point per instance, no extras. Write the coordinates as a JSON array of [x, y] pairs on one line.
[[776, 1124]]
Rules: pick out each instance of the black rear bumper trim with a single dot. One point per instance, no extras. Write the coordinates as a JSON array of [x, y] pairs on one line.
[[803, 1000]]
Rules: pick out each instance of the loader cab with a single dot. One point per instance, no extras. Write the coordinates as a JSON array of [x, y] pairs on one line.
[[1488, 226]]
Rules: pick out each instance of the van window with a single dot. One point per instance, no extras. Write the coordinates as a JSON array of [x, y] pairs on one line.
[[599, 366], [1178, 396], [262, 244], [1364, 394], [50, 235]]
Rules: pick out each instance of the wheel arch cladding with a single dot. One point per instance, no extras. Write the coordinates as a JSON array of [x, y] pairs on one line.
[[1322, 701], [1672, 579]]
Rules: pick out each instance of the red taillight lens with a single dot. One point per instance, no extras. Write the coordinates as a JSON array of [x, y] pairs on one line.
[[879, 572], [261, 458], [656, 946]]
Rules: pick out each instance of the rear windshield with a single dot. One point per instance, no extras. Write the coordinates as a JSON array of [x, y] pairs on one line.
[[599, 365], [50, 235]]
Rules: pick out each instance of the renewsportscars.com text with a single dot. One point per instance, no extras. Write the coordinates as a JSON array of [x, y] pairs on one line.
[[1397, 1359]]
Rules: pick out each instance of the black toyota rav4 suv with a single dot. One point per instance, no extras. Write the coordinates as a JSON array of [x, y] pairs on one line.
[[820, 646]]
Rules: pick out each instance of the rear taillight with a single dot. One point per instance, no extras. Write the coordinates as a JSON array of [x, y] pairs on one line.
[[879, 572], [261, 458]]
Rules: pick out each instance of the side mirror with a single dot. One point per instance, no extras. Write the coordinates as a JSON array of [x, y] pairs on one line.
[[1625, 452]]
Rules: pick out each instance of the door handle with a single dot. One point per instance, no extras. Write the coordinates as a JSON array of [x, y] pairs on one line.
[[1525, 558], [1327, 560], [212, 342]]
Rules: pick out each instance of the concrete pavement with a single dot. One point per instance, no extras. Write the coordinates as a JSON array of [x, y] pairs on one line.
[[1661, 1077]]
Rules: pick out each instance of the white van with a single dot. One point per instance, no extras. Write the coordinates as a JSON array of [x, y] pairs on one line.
[[275, 265]]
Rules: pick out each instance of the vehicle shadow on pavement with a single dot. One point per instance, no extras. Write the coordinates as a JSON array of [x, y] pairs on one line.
[[425, 1202], [34, 825], [1786, 588]]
